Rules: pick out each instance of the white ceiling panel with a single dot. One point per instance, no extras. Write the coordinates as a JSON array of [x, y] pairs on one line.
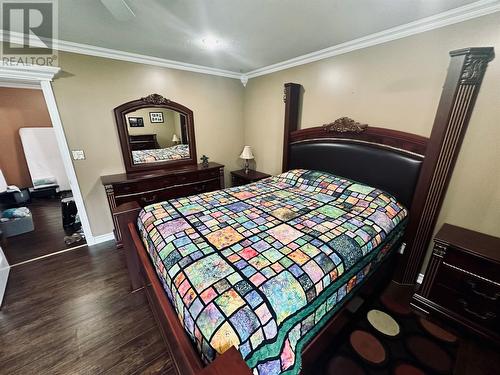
[[240, 35]]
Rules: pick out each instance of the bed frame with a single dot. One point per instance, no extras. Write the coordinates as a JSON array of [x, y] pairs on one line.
[[398, 162]]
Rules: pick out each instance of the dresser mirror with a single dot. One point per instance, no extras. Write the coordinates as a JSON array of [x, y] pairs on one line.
[[155, 133]]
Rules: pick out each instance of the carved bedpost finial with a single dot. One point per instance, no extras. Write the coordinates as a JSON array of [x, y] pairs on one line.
[[345, 125], [475, 63], [155, 99], [474, 68]]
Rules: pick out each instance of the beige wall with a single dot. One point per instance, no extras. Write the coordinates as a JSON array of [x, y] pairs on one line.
[[19, 108], [89, 88], [395, 85]]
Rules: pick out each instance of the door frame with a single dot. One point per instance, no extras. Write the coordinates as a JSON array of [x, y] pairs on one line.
[[40, 77]]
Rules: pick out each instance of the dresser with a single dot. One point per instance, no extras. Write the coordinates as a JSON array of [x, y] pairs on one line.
[[461, 285], [150, 187]]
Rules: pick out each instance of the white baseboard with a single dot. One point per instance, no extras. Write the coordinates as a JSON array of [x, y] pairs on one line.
[[420, 278], [103, 238]]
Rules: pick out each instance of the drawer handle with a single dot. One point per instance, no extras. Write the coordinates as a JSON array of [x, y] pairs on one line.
[[485, 316], [150, 200], [473, 285]]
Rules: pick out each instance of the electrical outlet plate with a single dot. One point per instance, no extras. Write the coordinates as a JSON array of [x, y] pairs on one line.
[[402, 248], [78, 155]]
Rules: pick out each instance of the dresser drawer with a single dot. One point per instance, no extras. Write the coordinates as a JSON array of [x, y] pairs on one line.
[[150, 187], [164, 181], [170, 192]]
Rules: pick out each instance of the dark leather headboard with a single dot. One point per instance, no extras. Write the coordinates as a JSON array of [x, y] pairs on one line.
[[393, 171]]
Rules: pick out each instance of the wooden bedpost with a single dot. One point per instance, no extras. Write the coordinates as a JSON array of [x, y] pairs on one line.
[[465, 74], [124, 214], [291, 98]]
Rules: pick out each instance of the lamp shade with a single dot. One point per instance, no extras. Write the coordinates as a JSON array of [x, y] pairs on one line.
[[175, 138], [246, 153]]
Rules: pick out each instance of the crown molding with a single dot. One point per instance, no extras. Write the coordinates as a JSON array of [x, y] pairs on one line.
[[450, 17], [453, 16], [86, 49], [27, 76]]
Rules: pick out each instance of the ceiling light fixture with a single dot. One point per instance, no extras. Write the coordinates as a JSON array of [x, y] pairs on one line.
[[210, 42]]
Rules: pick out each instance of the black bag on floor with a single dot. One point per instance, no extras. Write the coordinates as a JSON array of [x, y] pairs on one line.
[[69, 215]]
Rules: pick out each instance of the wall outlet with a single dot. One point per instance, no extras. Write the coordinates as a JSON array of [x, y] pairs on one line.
[[78, 155], [402, 248]]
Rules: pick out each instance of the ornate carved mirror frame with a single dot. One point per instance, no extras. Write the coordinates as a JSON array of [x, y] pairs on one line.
[[153, 101]]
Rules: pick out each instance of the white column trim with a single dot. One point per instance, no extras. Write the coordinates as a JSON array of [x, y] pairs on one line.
[[40, 77], [48, 93]]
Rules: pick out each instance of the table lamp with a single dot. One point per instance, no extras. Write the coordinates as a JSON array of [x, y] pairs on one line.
[[175, 139], [247, 155]]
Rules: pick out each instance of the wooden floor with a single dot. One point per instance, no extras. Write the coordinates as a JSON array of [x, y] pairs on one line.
[[48, 236], [72, 313]]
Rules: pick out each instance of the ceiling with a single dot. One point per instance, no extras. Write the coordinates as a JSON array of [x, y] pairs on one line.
[[251, 33]]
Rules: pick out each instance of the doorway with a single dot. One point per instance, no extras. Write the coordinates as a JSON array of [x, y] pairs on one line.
[[39, 78], [38, 213]]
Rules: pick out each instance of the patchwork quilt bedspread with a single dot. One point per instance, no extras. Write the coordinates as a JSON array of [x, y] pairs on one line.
[[264, 266], [169, 153]]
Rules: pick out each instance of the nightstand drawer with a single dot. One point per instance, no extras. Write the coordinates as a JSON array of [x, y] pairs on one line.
[[240, 177], [464, 281], [461, 282], [467, 308], [238, 181], [470, 297], [472, 264]]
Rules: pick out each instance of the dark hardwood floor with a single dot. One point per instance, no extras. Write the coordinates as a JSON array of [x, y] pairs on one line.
[[48, 236], [72, 313]]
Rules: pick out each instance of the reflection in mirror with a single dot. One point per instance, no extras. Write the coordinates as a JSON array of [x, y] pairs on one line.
[[157, 135]]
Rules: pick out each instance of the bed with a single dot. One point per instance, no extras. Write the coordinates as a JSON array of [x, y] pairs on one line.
[[176, 152], [237, 307], [262, 267], [192, 255]]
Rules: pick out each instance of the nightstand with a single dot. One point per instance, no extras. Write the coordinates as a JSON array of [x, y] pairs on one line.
[[462, 281], [239, 177]]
